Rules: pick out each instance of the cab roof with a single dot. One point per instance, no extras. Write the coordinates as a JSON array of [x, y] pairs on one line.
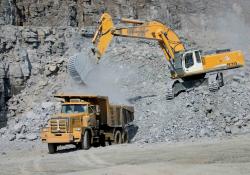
[[76, 103], [79, 95]]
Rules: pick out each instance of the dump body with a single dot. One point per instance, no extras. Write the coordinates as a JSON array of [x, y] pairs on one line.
[[119, 116], [89, 114]]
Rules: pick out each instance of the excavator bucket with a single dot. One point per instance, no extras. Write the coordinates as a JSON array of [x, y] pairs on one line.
[[82, 63]]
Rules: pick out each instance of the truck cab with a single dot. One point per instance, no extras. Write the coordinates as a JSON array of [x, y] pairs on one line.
[[83, 111], [69, 125], [86, 120]]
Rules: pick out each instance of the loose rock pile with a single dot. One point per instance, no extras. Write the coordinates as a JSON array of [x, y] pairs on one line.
[[197, 113]]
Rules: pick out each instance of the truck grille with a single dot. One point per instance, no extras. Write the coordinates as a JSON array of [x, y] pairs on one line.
[[58, 125]]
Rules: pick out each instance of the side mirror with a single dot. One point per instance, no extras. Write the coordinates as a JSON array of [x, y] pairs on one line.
[[98, 110]]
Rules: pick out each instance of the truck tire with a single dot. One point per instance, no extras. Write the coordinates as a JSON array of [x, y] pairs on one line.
[[125, 138], [86, 141], [118, 137], [79, 145], [52, 148], [108, 143], [102, 140]]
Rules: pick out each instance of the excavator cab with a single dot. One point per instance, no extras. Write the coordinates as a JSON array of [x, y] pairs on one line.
[[192, 62]]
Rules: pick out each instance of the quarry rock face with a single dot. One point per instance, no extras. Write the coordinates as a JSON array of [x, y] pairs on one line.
[[79, 13], [38, 37], [31, 52]]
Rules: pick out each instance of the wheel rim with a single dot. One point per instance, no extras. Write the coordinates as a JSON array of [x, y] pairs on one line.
[[125, 137], [118, 137]]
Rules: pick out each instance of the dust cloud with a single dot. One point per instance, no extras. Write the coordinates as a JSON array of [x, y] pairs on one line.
[[233, 31], [97, 79]]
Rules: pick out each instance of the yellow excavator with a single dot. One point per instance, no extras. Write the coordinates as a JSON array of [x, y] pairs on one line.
[[188, 68]]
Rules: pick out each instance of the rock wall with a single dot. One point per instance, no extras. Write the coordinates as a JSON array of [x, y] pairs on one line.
[[32, 53], [176, 13], [208, 22]]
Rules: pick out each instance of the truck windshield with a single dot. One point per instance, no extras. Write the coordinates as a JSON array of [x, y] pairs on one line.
[[73, 109]]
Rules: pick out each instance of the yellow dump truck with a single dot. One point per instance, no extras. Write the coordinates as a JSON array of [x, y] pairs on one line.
[[87, 120]]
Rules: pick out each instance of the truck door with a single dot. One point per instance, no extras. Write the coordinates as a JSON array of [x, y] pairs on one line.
[[192, 62], [92, 115]]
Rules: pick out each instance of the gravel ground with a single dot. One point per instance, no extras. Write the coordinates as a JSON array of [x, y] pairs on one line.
[[218, 157]]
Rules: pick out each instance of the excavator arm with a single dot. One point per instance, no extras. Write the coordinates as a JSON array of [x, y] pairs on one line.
[[168, 40]]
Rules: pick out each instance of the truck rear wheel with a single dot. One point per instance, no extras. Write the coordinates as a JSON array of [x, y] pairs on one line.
[[108, 143], [86, 141], [125, 137], [118, 137], [52, 148], [102, 140]]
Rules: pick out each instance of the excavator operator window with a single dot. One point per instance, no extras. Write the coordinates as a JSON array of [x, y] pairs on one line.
[[189, 60], [198, 57]]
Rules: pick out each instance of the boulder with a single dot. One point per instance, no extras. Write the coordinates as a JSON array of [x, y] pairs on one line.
[[31, 137], [3, 131], [20, 136], [205, 132], [53, 68], [235, 129], [227, 129], [12, 137], [18, 128]]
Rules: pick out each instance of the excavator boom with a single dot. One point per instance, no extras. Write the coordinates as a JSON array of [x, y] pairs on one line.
[[154, 30]]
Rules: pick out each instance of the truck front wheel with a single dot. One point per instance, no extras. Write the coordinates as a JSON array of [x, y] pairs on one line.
[[52, 148], [86, 141]]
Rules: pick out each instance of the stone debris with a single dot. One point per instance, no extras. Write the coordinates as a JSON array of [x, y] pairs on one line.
[[31, 137], [34, 53]]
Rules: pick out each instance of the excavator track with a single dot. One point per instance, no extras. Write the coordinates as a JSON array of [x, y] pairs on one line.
[[213, 87], [170, 94], [215, 81], [170, 89]]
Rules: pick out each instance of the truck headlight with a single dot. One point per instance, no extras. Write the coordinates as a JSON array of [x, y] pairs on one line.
[[45, 129], [78, 129]]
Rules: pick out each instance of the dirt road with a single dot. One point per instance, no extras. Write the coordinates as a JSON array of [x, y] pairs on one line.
[[231, 156]]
